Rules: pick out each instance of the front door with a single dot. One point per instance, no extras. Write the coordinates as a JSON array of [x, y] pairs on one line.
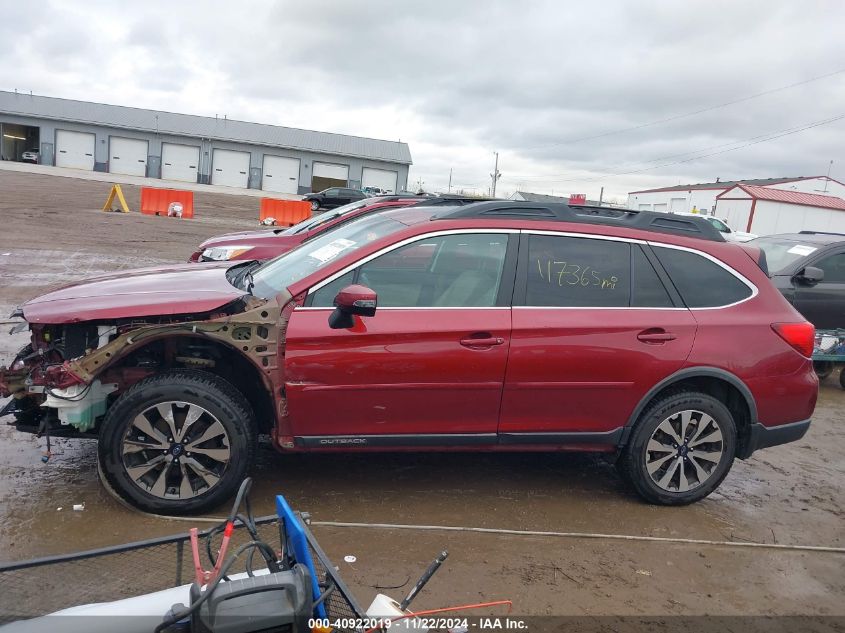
[[427, 369], [594, 328], [823, 304]]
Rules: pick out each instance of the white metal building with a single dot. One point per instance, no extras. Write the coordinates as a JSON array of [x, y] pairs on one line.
[[527, 196], [196, 149], [701, 197], [767, 211]]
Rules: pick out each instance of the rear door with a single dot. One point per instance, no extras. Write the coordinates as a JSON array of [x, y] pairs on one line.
[[428, 368], [332, 198], [595, 326], [823, 304]]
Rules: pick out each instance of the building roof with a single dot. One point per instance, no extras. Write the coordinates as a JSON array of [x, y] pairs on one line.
[[727, 184], [527, 196], [790, 197], [217, 128]]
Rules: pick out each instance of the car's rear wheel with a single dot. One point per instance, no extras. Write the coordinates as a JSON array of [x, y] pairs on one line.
[[315, 205], [823, 368], [179, 442], [681, 448]]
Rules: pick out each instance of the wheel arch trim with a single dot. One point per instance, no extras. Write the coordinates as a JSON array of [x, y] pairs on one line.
[[684, 374]]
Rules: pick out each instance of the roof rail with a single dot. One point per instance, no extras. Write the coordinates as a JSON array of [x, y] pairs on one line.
[[820, 233], [608, 216]]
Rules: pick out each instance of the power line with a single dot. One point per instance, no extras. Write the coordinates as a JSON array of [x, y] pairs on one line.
[[684, 115], [752, 141], [694, 155]]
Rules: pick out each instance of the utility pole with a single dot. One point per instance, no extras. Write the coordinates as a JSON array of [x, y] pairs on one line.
[[495, 176], [450, 180], [601, 196], [829, 167]]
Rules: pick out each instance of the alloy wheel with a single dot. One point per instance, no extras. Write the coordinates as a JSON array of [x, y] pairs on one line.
[[175, 450], [684, 451]]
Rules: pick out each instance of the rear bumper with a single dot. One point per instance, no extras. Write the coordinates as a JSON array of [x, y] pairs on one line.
[[765, 436]]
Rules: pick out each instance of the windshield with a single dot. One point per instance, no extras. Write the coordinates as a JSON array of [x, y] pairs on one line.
[[720, 226], [318, 220], [782, 253], [313, 255]]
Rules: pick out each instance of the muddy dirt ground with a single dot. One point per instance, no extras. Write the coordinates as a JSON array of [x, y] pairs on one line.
[[51, 231]]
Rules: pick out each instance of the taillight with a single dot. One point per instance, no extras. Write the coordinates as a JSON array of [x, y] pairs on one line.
[[801, 336]]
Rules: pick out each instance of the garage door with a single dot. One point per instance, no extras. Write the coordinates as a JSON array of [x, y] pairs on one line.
[[381, 178], [325, 175], [74, 150], [128, 156], [179, 162], [281, 174], [678, 204], [229, 168]]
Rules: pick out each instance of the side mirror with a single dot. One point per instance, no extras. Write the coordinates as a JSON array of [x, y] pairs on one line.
[[811, 275], [352, 300]]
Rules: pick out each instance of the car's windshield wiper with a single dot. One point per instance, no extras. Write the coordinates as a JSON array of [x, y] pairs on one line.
[[250, 282], [246, 280]]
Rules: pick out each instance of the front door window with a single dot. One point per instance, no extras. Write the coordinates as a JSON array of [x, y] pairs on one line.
[[448, 271]]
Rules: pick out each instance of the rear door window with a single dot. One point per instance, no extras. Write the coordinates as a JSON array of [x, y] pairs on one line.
[[575, 272], [701, 282]]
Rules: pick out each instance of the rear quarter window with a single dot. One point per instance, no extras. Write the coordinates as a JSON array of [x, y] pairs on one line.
[[701, 282]]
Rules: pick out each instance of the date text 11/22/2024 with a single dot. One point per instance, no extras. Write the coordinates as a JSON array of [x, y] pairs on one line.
[[421, 623]]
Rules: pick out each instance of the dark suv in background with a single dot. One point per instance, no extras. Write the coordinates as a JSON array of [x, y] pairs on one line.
[[809, 270], [333, 197]]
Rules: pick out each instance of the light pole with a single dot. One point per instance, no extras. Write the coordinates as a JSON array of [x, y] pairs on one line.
[[495, 176]]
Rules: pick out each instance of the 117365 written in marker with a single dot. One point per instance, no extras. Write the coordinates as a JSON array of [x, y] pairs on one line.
[[566, 273]]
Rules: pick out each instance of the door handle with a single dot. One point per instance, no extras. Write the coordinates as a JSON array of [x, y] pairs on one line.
[[487, 341], [655, 336]]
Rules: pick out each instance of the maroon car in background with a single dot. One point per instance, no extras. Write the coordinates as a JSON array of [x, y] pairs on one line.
[[497, 326], [267, 244]]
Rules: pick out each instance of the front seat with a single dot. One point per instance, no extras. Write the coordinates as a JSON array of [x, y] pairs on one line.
[[471, 289]]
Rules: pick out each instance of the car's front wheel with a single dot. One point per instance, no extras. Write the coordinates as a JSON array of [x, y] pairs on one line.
[[681, 448], [315, 205], [179, 442]]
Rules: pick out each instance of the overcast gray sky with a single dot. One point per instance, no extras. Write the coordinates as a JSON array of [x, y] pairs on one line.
[[554, 87]]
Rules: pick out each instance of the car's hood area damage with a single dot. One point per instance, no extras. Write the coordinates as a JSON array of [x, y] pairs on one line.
[[145, 292], [96, 337]]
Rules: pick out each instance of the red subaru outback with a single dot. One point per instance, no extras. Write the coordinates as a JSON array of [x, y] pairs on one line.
[[497, 326]]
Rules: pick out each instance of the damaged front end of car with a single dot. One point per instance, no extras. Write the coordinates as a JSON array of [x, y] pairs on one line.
[[63, 382], [40, 372]]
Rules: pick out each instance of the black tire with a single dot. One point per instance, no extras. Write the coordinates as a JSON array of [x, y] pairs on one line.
[[636, 455], [823, 368], [220, 403], [842, 377], [315, 206]]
